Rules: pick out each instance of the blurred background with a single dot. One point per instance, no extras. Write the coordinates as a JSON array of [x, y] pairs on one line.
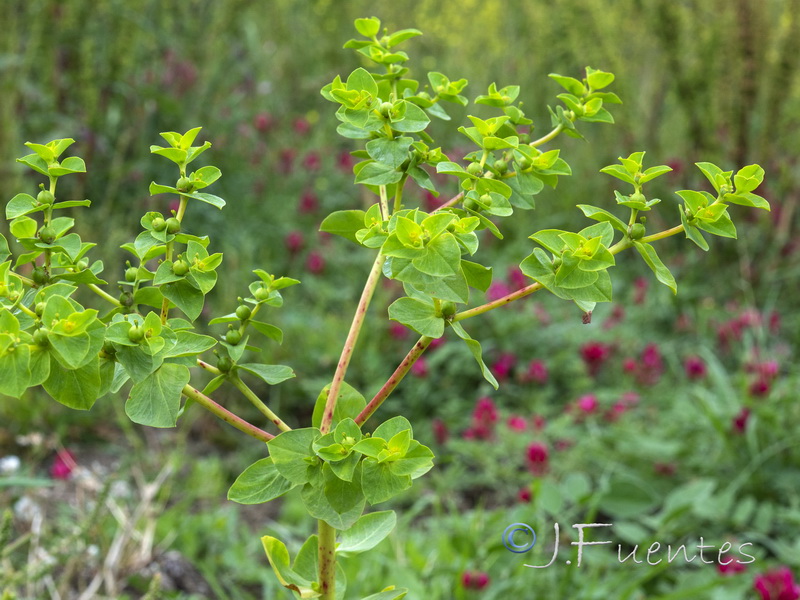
[[671, 416]]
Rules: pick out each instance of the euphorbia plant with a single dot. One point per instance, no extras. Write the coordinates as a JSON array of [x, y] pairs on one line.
[[146, 337]]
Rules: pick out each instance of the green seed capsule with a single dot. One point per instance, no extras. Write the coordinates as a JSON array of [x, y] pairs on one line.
[[159, 224], [40, 276], [47, 234], [184, 184], [130, 274], [225, 364], [474, 169], [45, 197], [233, 337], [637, 231], [261, 294], [40, 337], [448, 309], [180, 268], [173, 226], [136, 334], [243, 312]]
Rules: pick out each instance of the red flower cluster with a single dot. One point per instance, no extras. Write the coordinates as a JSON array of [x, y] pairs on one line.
[[595, 355], [484, 418], [648, 368], [63, 465], [538, 457], [777, 585], [474, 580], [537, 372]]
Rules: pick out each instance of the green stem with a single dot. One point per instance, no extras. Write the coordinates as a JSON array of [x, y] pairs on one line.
[[544, 139], [226, 415], [327, 561], [384, 203], [452, 202], [350, 342], [662, 234], [103, 294], [398, 196], [258, 403], [388, 387]]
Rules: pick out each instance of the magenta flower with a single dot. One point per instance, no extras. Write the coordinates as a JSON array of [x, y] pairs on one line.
[[629, 365], [740, 420], [695, 367], [435, 343], [301, 125], [594, 355], [398, 331], [665, 469], [538, 456], [587, 404], [309, 203], [485, 411], [263, 122], [315, 263], [640, 290], [616, 411], [524, 495], [503, 365], [538, 422], [286, 160], [312, 161], [497, 290], [345, 161], [537, 372], [777, 585], [63, 465], [294, 242], [440, 431], [731, 568], [651, 365], [760, 387], [516, 423], [474, 581], [420, 368], [517, 279], [430, 202]]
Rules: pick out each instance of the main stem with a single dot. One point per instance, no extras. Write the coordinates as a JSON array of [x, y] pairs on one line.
[[350, 343], [327, 561]]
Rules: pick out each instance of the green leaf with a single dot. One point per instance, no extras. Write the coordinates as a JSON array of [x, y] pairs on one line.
[[598, 214], [344, 223], [692, 232], [747, 199], [23, 227], [375, 173], [654, 172], [368, 532], [388, 594], [290, 451], [22, 204], [392, 153], [278, 557], [190, 344], [319, 507], [723, 226], [211, 199], [712, 172], [401, 36], [619, 172], [379, 483], [748, 178], [414, 119], [5, 251], [368, 27], [73, 164], [442, 257], [597, 80], [272, 374], [268, 330], [391, 427], [15, 373], [475, 348], [361, 80], [419, 316], [477, 275], [75, 388], [185, 296], [342, 495], [654, 262], [348, 405], [156, 399], [572, 85], [259, 483]]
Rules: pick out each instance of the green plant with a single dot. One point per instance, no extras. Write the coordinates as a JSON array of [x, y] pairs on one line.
[[77, 354]]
